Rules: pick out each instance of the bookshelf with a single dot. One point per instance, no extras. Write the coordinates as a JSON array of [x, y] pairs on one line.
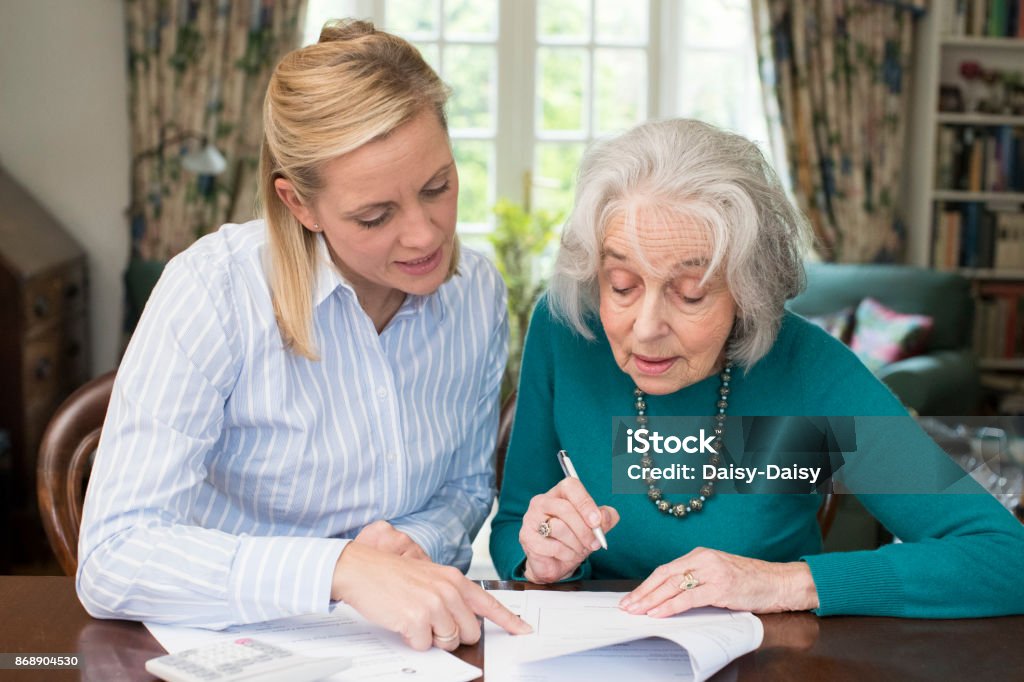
[[965, 188]]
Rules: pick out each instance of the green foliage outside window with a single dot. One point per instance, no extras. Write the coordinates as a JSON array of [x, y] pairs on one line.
[[520, 239], [473, 159]]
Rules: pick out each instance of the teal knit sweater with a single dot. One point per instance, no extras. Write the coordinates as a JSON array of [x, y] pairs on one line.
[[962, 555]]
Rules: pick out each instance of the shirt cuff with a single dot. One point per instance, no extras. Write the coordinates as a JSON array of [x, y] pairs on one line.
[[275, 577], [428, 536], [855, 584]]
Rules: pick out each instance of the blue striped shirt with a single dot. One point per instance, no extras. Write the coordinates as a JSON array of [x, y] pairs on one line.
[[231, 472]]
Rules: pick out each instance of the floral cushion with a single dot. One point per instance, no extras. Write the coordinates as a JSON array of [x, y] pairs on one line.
[[882, 336], [838, 324]]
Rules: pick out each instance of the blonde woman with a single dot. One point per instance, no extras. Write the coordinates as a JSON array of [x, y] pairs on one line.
[[308, 408]]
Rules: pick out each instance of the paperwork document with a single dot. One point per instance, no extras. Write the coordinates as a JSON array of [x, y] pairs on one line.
[[584, 635], [377, 654]]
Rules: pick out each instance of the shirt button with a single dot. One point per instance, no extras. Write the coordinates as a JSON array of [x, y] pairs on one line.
[[392, 457], [382, 393]]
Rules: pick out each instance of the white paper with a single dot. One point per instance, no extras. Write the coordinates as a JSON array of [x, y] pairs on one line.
[[377, 654], [584, 635]]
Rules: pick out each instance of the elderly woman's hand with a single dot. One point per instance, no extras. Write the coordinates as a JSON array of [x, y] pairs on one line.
[[707, 577], [557, 531]]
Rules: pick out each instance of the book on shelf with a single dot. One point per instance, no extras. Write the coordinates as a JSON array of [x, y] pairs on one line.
[[980, 158], [999, 320], [1008, 252], [947, 151], [975, 180], [997, 19], [944, 235], [985, 18], [970, 234]]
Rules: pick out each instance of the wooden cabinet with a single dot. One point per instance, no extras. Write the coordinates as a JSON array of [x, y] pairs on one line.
[[44, 348]]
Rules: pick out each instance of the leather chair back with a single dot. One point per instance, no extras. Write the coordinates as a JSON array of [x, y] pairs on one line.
[[65, 461]]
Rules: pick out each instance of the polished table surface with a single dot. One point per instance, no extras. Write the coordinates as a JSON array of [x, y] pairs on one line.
[[43, 615]]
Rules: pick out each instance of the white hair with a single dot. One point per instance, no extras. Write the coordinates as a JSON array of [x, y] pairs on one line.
[[701, 175]]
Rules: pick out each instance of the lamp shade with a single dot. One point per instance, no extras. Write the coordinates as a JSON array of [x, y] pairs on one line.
[[206, 161]]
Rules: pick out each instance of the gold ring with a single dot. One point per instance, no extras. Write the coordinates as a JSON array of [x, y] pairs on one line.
[[544, 529], [688, 582], [448, 638]]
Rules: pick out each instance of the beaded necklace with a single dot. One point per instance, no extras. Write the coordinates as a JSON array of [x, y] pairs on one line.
[[680, 509]]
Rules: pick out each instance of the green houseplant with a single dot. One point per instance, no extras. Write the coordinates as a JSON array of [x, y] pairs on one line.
[[520, 240]]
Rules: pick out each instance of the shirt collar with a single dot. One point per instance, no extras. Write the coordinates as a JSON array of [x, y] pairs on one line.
[[329, 279]]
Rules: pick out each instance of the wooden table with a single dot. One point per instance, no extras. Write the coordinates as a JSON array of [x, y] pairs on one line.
[[43, 615]]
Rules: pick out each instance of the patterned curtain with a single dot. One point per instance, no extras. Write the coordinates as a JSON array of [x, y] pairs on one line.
[[837, 72], [198, 66]]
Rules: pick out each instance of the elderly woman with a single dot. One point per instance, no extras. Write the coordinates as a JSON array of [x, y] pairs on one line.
[[308, 408], [668, 300]]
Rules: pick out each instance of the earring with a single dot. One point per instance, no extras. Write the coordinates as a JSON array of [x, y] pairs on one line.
[[316, 226]]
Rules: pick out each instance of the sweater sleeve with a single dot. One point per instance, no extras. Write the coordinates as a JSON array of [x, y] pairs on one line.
[[530, 466], [961, 553]]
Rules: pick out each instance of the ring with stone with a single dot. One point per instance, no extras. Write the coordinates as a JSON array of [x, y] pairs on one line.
[[544, 529], [688, 582]]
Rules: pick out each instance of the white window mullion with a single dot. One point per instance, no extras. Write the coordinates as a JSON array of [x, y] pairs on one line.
[[588, 92], [670, 35], [442, 29], [659, 42], [515, 117], [527, 58], [373, 10]]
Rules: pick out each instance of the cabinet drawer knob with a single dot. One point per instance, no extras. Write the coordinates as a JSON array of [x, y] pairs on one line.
[[41, 307], [72, 290]]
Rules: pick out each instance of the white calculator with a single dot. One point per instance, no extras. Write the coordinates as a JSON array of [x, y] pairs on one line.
[[243, 659]]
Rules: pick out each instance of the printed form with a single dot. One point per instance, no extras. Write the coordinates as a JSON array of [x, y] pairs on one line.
[[584, 635], [377, 654]]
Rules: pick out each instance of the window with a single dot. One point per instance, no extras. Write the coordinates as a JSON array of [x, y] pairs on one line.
[[534, 81], [591, 62]]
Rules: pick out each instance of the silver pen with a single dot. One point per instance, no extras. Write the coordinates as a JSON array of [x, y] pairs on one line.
[[570, 472]]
